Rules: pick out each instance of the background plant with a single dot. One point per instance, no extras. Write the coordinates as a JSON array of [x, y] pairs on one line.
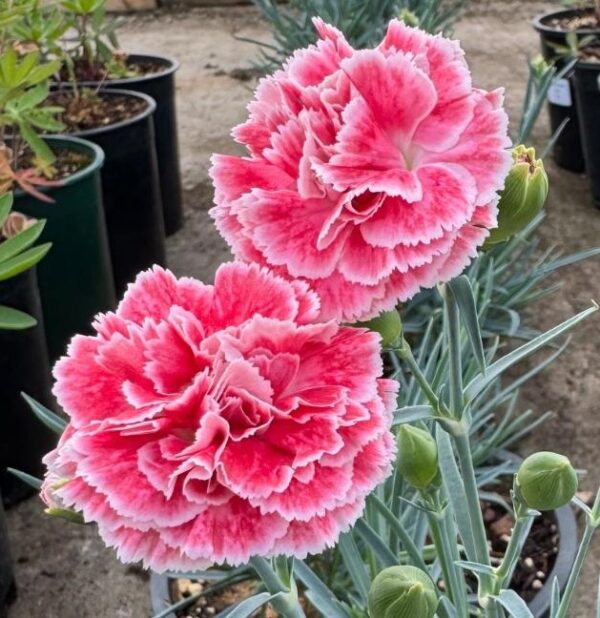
[[363, 22], [17, 254]]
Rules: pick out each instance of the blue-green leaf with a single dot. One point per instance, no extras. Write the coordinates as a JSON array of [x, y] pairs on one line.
[[479, 383], [514, 604], [32, 481], [49, 418], [355, 565], [463, 293], [411, 414], [318, 593]]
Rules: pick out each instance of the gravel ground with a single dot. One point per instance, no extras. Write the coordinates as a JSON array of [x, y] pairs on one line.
[[63, 570]]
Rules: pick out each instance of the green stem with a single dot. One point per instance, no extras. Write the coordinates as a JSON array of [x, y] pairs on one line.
[[405, 353], [287, 605], [455, 378], [446, 554], [463, 449], [567, 596], [513, 551]]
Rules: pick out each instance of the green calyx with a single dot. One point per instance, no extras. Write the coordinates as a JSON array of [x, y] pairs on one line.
[[523, 197], [546, 481], [417, 456], [388, 324], [402, 592]]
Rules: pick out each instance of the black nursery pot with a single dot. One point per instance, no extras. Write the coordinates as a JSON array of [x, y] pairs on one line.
[[161, 87], [567, 151], [75, 278], [24, 367], [587, 92], [7, 578], [131, 191]]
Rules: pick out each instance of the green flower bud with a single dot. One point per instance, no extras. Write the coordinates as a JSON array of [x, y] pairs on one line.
[[546, 481], [417, 456], [409, 18], [388, 324], [523, 197], [402, 592], [539, 66]]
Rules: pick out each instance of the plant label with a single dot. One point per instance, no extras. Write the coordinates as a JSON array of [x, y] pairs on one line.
[[559, 92]]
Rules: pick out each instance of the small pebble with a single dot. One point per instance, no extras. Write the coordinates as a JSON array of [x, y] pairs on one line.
[[540, 575], [528, 563], [537, 584]]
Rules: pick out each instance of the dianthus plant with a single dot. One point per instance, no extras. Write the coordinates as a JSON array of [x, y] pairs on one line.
[[249, 429]]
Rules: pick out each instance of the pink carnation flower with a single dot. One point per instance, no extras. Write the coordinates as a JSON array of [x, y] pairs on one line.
[[371, 173], [214, 423]]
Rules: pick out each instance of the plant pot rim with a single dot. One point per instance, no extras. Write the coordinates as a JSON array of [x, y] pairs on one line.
[[171, 66], [151, 107], [80, 144], [587, 65], [540, 26]]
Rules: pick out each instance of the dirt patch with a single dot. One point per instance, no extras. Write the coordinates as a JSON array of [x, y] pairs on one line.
[[92, 110]]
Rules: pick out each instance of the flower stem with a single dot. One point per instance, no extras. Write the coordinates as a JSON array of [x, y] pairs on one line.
[[575, 571], [287, 604], [447, 554], [513, 551], [405, 353]]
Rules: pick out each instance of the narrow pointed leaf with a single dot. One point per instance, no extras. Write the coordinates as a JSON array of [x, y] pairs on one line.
[[476, 567], [318, 593], [32, 481], [456, 491], [501, 365], [355, 565], [411, 414], [514, 604], [376, 543], [49, 418], [463, 293]]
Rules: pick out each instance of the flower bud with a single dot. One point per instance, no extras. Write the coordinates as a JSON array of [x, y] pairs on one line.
[[402, 592], [417, 456], [546, 481], [523, 197], [409, 18], [388, 324]]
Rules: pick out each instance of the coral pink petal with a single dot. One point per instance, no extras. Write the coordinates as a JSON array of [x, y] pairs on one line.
[[232, 532], [234, 176], [398, 94], [311, 537], [286, 228], [327, 488], [448, 202]]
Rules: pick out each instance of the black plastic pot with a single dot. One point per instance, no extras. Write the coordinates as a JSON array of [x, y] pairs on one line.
[[7, 578], [587, 93], [161, 599], [161, 87], [75, 278], [131, 191], [567, 150], [24, 366]]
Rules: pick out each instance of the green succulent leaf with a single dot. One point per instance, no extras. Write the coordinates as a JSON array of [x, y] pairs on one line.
[[6, 202], [13, 319], [23, 240], [20, 263]]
